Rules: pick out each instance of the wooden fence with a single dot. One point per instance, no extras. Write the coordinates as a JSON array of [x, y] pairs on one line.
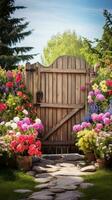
[[59, 100]]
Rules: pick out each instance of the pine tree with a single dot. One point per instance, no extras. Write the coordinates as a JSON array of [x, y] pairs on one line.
[[12, 31]]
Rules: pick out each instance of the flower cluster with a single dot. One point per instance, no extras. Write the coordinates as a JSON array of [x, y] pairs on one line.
[[26, 145], [14, 98], [95, 133]]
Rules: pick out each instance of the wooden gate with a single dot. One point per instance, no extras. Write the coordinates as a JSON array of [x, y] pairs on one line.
[[59, 100]]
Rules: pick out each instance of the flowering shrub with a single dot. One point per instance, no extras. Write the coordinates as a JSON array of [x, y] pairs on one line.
[[95, 133], [14, 98], [86, 140], [19, 130]]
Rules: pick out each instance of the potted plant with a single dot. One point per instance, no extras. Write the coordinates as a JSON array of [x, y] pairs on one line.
[[104, 149], [24, 147], [86, 141]]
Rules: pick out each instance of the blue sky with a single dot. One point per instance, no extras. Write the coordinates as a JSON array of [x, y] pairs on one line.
[[49, 17]]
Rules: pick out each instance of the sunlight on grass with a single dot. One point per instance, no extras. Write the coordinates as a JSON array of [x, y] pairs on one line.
[[11, 180], [102, 189]]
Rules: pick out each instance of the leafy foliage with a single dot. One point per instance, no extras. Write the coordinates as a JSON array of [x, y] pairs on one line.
[[100, 50], [67, 43]]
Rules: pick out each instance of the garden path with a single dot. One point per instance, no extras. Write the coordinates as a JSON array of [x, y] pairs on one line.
[[59, 177]]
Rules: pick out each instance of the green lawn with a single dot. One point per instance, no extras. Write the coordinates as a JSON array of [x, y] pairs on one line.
[[102, 190], [13, 179]]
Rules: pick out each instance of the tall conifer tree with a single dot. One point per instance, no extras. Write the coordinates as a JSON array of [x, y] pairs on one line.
[[12, 31]]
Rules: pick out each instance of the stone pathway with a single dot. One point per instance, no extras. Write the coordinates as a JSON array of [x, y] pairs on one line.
[[59, 177]]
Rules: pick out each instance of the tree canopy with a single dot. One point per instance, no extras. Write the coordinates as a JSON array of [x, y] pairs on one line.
[[100, 50], [12, 31], [67, 43]]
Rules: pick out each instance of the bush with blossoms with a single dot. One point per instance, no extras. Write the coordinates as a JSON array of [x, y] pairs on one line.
[[98, 119], [19, 125], [14, 98]]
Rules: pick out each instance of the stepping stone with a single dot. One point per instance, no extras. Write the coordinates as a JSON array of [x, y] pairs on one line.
[[68, 171], [42, 186], [69, 195], [22, 191], [31, 173], [42, 195], [39, 169], [43, 180], [56, 190], [66, 165], [86, 185], [73, 157], [66, 187], [44, 175], [64, 181], [89, 168]]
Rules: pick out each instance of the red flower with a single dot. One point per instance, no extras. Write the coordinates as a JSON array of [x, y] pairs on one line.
[[22, 86], [38, 144], [9, 84], [19, 93], [18, 77], [31, 139], [20, 148], [109, 83], [3, 107], [110, 92]]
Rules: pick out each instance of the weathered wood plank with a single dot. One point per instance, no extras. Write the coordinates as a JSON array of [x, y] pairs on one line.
[[65, 119], [58, 105], [63, 71]]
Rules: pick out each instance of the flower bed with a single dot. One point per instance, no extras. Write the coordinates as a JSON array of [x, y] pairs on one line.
[[19, 125], [94, 135]]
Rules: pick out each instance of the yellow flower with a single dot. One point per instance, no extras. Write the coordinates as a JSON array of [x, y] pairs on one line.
[[95, 86], [102, 83], [104, 88]]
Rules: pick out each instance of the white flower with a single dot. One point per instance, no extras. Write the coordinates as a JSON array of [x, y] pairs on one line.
[[38, 121], [16, 119], [25, 112], [18, 134], [8, 124], [14, 125], [2, 123]]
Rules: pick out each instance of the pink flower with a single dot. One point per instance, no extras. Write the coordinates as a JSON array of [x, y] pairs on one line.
[[84, 125], [9, 74], [82, 88], [107, 114], [77, 128], [97, 91], [99, 126], [100, 117], [100, 97], [106, 121], [94, 117]]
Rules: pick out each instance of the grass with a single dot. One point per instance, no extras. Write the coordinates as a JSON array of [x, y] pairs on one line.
[[102, 189], [11, 180]]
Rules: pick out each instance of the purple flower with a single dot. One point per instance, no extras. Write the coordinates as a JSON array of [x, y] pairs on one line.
[[91, 93], [100, 97]]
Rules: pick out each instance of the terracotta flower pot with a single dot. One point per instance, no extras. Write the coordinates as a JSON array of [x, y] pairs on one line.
[[101, 163], [90, 156], [24, 162]]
